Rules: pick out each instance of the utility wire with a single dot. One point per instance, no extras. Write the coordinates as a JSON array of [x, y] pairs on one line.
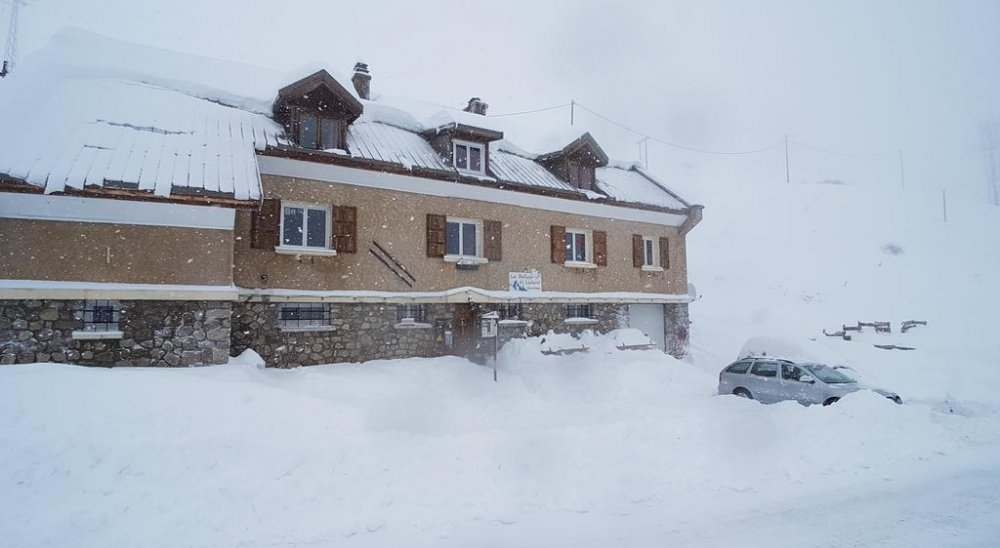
[[554, 107], [649, 137], [675, 145], [817, 149]]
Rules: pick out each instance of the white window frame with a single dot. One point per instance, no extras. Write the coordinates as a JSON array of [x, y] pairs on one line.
[[588, 261], [305, 249], [654, 246], [455, 143], [460, 257]]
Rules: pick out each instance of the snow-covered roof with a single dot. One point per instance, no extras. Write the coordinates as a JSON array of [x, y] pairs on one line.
[[70, 120], [511, 167], [629, 183], [88, 111]]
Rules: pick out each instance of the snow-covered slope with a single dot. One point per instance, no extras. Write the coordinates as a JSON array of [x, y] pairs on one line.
[[794, 260]]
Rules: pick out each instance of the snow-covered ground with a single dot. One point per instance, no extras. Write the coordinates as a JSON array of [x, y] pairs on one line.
[[607, 448]]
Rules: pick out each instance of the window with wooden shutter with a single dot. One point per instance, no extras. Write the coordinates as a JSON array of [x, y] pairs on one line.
[[492, 240], [664, 252], [558, 244], [265, 225], [637, 250], [436, 226], [345, 229], [600, 248]]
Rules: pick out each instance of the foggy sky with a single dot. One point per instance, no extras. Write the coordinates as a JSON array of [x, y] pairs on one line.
[[858, 77]]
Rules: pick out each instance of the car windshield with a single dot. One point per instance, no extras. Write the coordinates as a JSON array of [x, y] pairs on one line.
[[827, 374]]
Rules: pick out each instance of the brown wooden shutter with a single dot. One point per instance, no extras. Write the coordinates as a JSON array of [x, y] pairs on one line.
[[436, 228], [265, 228], [558, 244], [665, 252], [638, 250], [492, 240], [345, 229], [600, 248]]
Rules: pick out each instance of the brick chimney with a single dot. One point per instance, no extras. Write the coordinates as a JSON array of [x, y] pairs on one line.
[[362, 80], [476, 106]]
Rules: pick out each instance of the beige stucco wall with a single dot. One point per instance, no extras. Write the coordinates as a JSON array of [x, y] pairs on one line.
[[104, 252], [397, 221]]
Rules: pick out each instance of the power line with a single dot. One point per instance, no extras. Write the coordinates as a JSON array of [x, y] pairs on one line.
[[647, 137], [675, 145], [836, 153], [554, 107]]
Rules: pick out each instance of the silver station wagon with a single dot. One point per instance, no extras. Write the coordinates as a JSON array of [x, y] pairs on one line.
[[770, 380]]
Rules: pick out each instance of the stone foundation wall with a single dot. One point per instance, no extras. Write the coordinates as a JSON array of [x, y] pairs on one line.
[[552, 316], [363, 332], [676, 325], [358, 332], [155, 333]]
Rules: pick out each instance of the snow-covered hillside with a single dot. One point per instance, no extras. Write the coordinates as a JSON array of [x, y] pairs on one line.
[[607, 448], [794, 260]]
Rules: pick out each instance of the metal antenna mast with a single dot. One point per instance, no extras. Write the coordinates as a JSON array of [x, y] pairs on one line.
[[10, 52]]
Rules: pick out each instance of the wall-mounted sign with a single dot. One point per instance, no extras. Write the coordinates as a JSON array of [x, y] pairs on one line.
[[526, 281]]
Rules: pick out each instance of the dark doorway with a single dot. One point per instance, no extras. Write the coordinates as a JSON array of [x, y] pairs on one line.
[[464, 329]]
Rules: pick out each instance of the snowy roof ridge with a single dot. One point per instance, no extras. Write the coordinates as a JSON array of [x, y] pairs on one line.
[[149, 120]]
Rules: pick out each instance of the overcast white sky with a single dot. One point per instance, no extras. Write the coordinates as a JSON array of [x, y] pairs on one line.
[[851, 76]]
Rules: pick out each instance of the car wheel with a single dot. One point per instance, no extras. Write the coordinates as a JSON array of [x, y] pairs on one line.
[[831, 401], [743, 393]]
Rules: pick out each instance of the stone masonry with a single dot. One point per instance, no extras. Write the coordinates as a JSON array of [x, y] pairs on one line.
[[155, 333], [363, 332], [676, 324], [357, 332]]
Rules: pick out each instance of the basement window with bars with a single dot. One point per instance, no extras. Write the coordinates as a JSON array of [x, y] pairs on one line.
[[415, 313], [101, 316], [510, 311], [576, 310], [304, 316]]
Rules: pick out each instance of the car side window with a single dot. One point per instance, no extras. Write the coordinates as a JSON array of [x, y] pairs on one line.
[[765, 369], [738, 367], [791, 372]]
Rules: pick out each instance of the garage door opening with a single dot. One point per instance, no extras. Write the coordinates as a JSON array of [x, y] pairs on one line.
[[648, 318]]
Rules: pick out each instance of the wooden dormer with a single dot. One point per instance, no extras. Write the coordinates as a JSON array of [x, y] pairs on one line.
[[463, 138], [577, 162], [316, 111]]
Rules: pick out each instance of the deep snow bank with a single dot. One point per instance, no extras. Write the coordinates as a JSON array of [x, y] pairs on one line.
[[425, 451]]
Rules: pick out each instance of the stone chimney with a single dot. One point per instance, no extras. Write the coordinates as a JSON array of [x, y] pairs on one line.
[[362, 80], [476, 106]]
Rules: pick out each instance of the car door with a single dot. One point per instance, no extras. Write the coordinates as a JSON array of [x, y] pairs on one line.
[[763, 379], [792, 385]]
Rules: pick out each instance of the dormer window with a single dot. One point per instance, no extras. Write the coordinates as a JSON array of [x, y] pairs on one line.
[[468, 156], [316, 111], [580, 175], [576, 162], [319, 132]]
